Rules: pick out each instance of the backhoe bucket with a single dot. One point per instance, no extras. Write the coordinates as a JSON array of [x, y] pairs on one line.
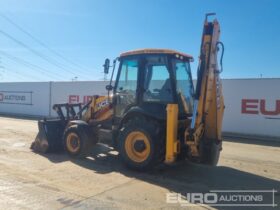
[[49, 138]]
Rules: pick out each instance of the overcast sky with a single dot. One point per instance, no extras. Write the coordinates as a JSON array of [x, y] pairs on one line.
[[75, 36]]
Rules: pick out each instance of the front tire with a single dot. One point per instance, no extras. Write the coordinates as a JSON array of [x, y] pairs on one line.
[[78, 141], [141, 144]]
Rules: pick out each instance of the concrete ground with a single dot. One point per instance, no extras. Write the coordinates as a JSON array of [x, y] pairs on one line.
[[33, 181]]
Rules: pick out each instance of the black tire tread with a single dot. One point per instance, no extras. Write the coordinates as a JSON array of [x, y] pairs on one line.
[[155, 134], [85, 138], [210, 151]]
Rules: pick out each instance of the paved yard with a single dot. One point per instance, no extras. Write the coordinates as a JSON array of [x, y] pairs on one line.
[[32, 181]]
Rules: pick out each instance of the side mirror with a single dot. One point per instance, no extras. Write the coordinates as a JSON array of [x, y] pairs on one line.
[[109, 87], [106, 66]]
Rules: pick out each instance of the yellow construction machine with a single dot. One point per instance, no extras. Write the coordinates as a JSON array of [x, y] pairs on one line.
[[152, 110]]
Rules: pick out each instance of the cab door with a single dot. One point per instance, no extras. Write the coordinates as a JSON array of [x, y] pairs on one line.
[[126, 86]]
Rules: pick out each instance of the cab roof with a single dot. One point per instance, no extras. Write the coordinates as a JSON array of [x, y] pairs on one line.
[[156, 51]]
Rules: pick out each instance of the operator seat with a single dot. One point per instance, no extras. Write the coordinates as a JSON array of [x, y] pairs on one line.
[[165, 93]]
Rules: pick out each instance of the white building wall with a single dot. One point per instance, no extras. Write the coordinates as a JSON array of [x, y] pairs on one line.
[[75, 92], [259, 114], [25, 98]]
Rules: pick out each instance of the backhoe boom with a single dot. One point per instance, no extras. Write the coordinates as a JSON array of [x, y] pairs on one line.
[[209, 104]]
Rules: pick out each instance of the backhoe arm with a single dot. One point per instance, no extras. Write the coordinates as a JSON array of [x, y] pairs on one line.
[[209, 104]]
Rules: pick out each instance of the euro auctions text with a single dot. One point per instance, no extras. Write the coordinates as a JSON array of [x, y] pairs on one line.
[[224, 198]]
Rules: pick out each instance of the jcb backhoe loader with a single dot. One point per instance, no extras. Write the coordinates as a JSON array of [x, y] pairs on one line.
[[152, 110]]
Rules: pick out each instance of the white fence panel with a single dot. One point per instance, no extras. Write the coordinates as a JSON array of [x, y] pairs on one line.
[[252, 106], [76, 92], [25, 98]]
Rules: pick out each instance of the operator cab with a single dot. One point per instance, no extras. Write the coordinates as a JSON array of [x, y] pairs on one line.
[[149, 79]]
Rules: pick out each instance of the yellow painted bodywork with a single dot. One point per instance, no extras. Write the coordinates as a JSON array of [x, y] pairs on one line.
[[210, 109], [172, 143], [99, 109], [211, 102]]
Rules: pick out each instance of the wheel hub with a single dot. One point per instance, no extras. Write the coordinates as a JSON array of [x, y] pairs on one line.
[[74, 143], [139, 145]]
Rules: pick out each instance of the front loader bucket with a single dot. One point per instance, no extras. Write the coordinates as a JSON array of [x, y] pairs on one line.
[[49, 138]]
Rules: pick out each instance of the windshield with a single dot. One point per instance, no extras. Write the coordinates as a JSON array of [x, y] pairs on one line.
[[184, 84]]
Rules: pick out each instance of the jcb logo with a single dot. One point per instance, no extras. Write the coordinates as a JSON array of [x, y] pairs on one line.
[[259, 106], [102, 104]]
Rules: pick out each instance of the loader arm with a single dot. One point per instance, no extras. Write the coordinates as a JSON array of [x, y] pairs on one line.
[[209, 103]]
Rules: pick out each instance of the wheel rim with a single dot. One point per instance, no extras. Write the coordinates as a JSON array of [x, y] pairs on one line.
[[73, 142], [134, 139]]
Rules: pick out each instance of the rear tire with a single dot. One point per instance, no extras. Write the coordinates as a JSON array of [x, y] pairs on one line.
[[209, 150], [141, 144], [78, 141]]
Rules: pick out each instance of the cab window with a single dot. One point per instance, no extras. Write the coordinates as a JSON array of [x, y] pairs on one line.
[[157, 84], [126, 86], [184, 85]]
